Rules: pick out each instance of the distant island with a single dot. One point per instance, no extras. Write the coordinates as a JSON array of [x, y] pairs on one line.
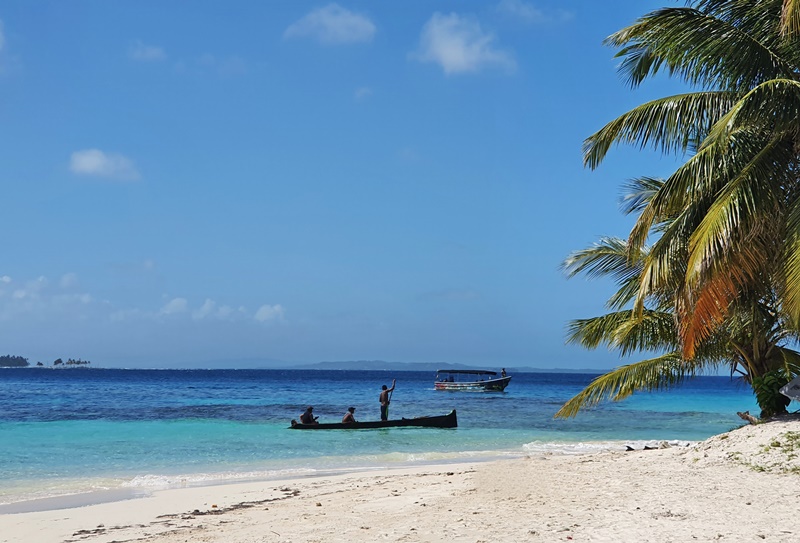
[[10, 361]]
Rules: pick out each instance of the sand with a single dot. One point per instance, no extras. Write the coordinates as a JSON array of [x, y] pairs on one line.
[[740, 486]]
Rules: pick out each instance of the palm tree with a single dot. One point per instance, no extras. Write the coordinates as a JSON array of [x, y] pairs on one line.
[[727, 222], [752, 343], [742, 128]]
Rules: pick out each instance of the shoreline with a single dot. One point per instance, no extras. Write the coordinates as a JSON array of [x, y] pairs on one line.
[[102, 493], [736, 486]]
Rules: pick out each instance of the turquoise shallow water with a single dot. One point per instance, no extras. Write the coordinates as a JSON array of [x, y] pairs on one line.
[[67, 431]]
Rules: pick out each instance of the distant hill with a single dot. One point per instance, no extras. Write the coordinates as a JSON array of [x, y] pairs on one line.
[[378, 365], [349, 365]]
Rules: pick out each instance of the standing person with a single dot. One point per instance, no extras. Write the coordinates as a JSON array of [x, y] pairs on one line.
[[349, 417], [385, 398]]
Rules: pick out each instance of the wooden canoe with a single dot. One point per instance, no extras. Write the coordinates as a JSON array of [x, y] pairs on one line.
[[442, 421]]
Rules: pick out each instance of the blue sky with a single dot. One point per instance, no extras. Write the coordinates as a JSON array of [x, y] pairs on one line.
[[203, 183]]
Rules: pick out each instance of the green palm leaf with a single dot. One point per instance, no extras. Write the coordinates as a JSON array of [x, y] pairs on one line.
[[700, 47], [654, 330], [771, 107], [669, 124], [659, 373]]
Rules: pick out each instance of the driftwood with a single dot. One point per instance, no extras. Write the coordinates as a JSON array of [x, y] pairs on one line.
[[748, 417]]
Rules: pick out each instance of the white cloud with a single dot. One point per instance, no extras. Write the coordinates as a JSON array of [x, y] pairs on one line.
[[225, 311], [459, 45], [210, 310], [332, 24], [31, 289], [95, 162], [40, 299], [128, 315], [174, 306], [362, 93], [68, 280], [528, 13], [64, 299], [269, 313], [146, 53], [205, 310]]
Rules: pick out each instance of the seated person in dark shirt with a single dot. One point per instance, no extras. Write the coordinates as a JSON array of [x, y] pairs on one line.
[[308, 416]]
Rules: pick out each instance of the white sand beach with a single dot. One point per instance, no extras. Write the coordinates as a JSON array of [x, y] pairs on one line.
[[740, 486]]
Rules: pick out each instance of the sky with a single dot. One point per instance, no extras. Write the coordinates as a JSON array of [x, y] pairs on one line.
[[212, 184]]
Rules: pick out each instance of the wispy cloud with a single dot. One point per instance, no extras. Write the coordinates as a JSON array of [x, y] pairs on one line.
[[68, 280], [210, 310], [269, 313], [205, 310], [459, 45], [451, 295], [94, 162], [41, 299], [64, 300], [174, 307], [224, 66], [146, 53], [529, 13], [362, 93], [331, 25]]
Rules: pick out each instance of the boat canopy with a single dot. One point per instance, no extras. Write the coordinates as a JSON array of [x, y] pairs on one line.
[[470, 372]]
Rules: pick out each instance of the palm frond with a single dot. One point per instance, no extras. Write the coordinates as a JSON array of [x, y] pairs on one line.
[[699, 177], [753, 194], [700, 316], [792, 264], [771, 107], [699, 47], [608, 257], [790, 17], [638, 192], [790, 360], [668, 124], [659, 373], [622, 330]]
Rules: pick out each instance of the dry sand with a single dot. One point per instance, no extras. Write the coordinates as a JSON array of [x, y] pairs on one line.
[[740, 486]]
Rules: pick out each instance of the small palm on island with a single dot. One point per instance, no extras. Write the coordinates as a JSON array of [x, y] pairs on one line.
[[9, 361]]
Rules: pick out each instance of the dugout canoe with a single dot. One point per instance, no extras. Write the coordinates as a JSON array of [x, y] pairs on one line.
[[442, 421]]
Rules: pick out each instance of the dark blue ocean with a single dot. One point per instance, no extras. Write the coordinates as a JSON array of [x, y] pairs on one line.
[[77, 430]]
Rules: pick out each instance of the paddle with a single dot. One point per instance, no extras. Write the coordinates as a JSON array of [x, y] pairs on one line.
[[389, 399]]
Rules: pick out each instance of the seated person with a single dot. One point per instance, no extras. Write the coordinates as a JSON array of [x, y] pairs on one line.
[[308, 416], [348, 417]]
